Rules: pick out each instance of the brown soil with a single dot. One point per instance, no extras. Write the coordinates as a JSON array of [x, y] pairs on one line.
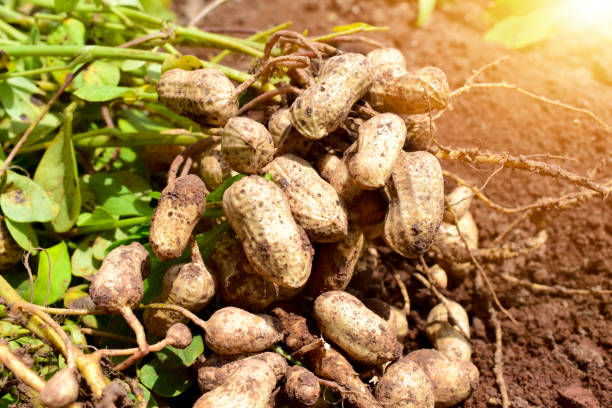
[[560, 341]]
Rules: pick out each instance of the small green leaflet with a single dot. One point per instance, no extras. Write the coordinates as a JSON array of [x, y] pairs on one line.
[[121, 193], [23, 200], [22, 233], [99, 216], [172, 357], [426, 8], [70, 32], [99, 73], [103, 93], [60, 275], [58, 174], [82, 260], [163, 381]]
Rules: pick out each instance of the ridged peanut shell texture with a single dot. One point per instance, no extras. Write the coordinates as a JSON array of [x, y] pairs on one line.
[[315, 205], [381, 140], [250, 386], [234, 331], [190, 285], [411, 93], [453, 380], [213, 168], [286, 139], [386, 61], [459, 200], [217, 367], [302, 386], [238, 283], [405, 385], [323, 106], [246, 145], [180, 207], [416, 203], [118, 282], [361, 333], [204, 95], [277, 248], [447, 339]]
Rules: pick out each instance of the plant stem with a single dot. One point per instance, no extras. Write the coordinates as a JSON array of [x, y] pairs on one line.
[[126, 222], [92, 52], [91, 372], [12, 31], [190, 34]]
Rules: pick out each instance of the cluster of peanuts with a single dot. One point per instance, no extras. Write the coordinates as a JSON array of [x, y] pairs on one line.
[[322, 184]]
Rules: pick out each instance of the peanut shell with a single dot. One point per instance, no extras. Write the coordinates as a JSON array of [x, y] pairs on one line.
[[416, 203], [411, 93], [381, 140], [246, 145], [213, 168], [335, 262], [180, 207], [204, 95], [231, 330], [238, 283], [277, 248], [314, 203], [453, 380], [405, 385], [361, 333], [323, 106], [250, 386], [119, 281]]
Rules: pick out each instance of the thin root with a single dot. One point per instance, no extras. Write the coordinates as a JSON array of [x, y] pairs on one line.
[[472, 155], [499, 359], [557, 290]]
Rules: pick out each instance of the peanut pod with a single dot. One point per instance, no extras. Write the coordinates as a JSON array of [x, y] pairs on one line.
[[277, 248], [416, 203]]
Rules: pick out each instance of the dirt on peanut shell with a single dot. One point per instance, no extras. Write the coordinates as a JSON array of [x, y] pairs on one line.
[[559, 353]]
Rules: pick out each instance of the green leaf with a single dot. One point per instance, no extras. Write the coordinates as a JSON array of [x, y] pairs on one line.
[[95, 93], [23, 200], [217, 194], [70, 32], [520, 31], [121, 193], [22, 233], [158, 8], [172, 357], [82, 260], [99, 73], [57, 173], [65, 5], [60, 275], [100, 217], [21, 99], [162, 381], [184, 62], [426, 8]]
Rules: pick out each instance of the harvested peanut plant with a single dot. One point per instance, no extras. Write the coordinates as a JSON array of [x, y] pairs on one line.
[[212, 233]]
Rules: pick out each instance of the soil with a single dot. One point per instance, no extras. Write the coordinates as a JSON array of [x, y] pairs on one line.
[[559, 352]]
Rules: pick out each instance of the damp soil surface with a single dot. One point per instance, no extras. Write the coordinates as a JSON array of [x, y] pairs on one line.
[[559, 351]]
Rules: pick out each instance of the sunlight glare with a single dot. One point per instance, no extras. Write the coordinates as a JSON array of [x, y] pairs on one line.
[[590, 13]]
